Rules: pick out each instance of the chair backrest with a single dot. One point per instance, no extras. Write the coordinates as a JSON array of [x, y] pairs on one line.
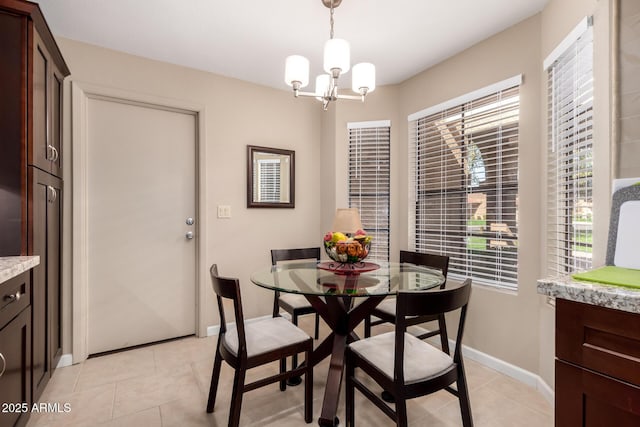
[[229, 288], [294, 254], [441, 262], [278, 255], [431, 302]]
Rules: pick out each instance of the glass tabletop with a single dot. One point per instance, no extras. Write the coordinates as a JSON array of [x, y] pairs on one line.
[[308, 278]]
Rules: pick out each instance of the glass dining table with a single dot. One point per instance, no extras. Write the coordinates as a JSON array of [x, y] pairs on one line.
[[343, 298]]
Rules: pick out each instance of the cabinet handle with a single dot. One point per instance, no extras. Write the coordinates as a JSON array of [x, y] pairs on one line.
[[4, 365], [52, 194], [55, 154], [13, 297], [50, 154]]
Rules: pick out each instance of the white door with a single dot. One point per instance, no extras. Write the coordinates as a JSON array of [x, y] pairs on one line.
[[141, 192]]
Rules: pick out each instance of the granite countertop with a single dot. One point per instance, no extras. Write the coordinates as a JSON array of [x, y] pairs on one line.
[[12, 266], [616, 297]]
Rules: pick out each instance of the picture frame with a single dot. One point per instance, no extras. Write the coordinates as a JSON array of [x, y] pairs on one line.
[[270, 177]]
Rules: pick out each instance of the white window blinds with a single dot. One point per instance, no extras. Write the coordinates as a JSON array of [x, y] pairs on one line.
[[569, 155], [369, 181], [463, 161]]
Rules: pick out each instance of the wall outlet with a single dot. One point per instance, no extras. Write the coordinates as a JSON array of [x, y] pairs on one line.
[[224, 211]]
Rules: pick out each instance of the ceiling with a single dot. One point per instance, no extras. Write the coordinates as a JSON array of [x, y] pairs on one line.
[[250, 39]]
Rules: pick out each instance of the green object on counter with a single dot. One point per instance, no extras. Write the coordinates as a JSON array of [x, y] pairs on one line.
[[611, 275]]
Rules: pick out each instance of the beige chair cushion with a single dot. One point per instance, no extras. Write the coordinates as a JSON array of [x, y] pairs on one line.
[[265, 335], [421, 360], [387, 306], [295, 300]]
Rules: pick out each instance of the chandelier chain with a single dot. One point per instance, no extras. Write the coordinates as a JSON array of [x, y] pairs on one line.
[[331, 20]]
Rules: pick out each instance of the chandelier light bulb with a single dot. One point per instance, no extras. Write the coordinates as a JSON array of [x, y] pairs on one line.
[[363, 79], [337, 56], [296, 70], [322, 85]]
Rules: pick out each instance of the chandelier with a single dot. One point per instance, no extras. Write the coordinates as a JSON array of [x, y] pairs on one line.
[[336, 63]]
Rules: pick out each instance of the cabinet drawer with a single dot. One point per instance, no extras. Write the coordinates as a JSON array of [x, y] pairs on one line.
[[586, 398], [15, 296], [601, 339]]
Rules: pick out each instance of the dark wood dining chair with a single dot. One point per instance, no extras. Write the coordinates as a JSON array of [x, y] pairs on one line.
[[386, 311], [295, 305], [406, 366], [244, 346]]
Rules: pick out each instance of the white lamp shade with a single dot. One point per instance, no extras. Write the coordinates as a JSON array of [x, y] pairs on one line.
[[322, 84], [364, 77], [296, 70], [337, 55]]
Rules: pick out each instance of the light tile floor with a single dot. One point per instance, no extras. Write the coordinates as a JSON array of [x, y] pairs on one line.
[[167, 384]]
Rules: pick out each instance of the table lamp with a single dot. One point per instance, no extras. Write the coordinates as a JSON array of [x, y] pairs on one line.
[[347, 220]]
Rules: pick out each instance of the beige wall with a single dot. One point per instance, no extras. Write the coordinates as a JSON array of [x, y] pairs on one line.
[[237, 114]]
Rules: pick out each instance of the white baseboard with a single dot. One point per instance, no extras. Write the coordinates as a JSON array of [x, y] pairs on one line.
[[513, 371], [65, 360], [546, 391]]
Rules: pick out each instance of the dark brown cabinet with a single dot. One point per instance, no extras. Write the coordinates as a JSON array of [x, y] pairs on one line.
[[45, 196], [32, 72], [597, 366], [15, 350]]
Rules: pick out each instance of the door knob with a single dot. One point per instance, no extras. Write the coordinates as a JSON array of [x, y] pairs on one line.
[[189, 221], [189, 235]]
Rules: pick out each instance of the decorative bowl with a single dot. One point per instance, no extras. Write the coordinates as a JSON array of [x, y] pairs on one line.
[[347, 250]]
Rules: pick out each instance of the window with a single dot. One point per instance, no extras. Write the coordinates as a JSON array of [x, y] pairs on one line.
[[569, 154], [463, 160], [369, 174]]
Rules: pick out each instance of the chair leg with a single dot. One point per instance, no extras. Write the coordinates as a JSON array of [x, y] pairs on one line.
[[367, 326], [444, 339], [308, 387], [283, 369], [463, 396], [294, 358], [349, 393], [401, 412], [215, 376], [317, 326], [236, 397]]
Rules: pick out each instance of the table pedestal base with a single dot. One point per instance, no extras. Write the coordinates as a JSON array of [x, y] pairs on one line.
[[339, 313]]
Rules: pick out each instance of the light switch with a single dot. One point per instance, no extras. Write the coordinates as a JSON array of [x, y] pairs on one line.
[[224, 211]]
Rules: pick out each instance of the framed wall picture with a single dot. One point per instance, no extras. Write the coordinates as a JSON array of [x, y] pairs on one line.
[[270, 177]]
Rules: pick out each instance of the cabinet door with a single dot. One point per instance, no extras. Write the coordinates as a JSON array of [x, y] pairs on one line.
[[46, 145], [45, 215], [40, 150], [15, 365], [56, 120], [587, 399], [54, 271]]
